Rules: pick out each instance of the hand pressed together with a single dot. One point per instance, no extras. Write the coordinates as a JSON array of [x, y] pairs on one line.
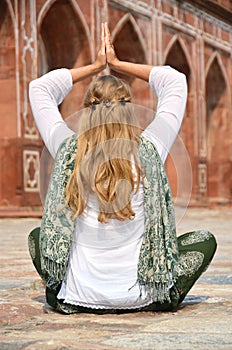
[[111, 57], [100, 62], [106, 53]]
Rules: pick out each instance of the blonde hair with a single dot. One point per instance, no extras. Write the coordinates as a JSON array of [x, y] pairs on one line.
[[107, 151]]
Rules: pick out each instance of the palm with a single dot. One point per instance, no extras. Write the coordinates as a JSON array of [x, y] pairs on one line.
[[110, 52]]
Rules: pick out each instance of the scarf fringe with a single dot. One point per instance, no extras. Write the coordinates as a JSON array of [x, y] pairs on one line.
[[54, 270], [156, 291]]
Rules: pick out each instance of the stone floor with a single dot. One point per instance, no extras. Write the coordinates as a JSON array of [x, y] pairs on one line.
[[203, 321]]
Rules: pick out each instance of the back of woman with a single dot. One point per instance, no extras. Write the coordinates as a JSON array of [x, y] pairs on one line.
[[107, 241], [109, 206]]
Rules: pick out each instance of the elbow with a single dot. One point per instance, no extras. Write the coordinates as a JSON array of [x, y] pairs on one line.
[[184, 80], [35, 89], [185, 88], [184, 85], [33, 85], [180, 82], [32, 88]]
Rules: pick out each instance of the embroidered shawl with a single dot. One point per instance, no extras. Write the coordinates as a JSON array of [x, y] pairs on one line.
[[159, 250]]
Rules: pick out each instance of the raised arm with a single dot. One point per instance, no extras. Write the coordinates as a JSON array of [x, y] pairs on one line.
[[171, 89], [48, 91], [170, 86]]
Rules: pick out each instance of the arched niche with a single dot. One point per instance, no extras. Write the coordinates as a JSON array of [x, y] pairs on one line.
[[178, 59], [218, 155], [8, 107], [129, 48], [64, 43]]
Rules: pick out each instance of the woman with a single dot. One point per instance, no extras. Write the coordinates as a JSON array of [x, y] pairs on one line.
[[107, 241]]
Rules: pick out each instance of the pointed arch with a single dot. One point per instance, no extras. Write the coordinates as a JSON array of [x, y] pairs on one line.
[[127, 29], [123, 21], [216, 91], [217, 125], [49, 3], [43, 12], [175, 42], [169, 46], [216, 56], [85, 26], [8, 73], [217, 86], [11, 11], [64, 22]]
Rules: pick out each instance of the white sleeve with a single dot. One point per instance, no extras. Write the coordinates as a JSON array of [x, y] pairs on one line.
[[45, 94], [171, 89]]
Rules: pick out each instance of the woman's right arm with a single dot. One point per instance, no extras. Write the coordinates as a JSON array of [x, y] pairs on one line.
[[170, 86]]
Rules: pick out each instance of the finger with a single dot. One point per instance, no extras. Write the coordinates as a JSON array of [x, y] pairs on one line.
[[107, 34], [102, 44], [102, 38]]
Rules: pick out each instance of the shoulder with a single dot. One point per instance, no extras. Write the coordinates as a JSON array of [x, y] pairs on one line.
[[69, 144], [146, 144], [66, 152], [148, 152]]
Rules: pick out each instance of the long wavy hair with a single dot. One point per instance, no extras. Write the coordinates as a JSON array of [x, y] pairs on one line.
[[107, 161]]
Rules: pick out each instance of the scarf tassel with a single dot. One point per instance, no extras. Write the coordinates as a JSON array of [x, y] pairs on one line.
[[157, 291], [54, 270]]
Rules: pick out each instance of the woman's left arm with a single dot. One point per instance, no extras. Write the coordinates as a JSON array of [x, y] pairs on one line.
[[45, 94]]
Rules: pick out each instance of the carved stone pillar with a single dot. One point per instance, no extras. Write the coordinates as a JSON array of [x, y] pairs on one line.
[[30, 141]]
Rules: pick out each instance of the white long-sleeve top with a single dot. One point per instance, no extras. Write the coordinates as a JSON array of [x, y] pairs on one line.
[[103, 258]]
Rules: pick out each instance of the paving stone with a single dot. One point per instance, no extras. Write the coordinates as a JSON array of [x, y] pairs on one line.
[[203, 320]]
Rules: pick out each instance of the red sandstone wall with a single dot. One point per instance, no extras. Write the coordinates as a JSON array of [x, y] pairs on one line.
[[37, 36]]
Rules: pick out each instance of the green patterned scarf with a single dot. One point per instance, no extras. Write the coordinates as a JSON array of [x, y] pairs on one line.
[[159, 251]]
